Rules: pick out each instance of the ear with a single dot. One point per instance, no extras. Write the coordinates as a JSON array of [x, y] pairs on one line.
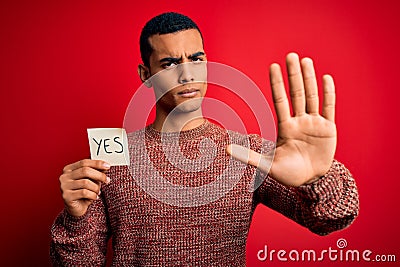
[[144, 74]]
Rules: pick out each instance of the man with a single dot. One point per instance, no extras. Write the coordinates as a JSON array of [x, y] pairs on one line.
[[304, 182]]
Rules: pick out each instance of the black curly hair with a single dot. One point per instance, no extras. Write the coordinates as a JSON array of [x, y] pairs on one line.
[[169, 22]]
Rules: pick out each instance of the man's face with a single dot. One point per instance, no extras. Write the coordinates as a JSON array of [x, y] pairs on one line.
[[178, 69]]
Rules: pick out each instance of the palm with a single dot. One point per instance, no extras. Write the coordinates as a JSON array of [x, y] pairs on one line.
[[305, 149], [306, 140]]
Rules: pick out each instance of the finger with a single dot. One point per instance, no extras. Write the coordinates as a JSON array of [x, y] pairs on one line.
[[85, 172], [96, 164], [310, 85], [250, 157], [296, 84], [80, 194], [281, 102], [328, 107], [81, 184]]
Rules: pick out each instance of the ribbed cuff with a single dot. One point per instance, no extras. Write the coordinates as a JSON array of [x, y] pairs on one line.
[[326, 187], [75, 223]]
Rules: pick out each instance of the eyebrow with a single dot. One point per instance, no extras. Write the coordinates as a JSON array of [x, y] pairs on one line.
[[174, 59], [197, 54]]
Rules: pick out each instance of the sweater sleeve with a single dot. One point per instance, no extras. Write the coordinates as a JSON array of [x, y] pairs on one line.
[[80, 241], [329, 204]]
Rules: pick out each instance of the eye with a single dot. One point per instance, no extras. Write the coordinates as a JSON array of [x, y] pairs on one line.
[[197, 60], [169, 65]]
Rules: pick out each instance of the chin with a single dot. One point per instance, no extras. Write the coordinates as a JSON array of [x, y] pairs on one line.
[[189, 105]]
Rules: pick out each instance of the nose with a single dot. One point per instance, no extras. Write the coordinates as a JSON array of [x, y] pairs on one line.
[[186, 74]]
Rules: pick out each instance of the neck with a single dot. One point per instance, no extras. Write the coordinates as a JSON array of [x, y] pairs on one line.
[[178, 121]]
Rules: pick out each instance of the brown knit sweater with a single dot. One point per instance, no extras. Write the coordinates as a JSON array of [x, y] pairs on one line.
[[179, 230]]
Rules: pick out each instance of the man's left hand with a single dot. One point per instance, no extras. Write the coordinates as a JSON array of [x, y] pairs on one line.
[[306, 140]]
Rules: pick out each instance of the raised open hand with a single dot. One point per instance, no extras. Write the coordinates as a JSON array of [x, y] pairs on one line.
[[307, 140]]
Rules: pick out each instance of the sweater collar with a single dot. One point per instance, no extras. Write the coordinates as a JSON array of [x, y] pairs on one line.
[[188, 134]]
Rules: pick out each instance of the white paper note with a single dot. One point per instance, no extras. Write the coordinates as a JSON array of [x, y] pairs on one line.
[[110, 145]]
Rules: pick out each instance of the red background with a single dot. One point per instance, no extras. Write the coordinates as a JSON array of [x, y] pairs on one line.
[[68, 65]]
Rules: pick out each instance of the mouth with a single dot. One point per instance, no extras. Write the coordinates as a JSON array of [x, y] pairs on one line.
[[190, 92]]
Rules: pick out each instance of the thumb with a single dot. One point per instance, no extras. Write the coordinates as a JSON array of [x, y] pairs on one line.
[[251, 157]]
